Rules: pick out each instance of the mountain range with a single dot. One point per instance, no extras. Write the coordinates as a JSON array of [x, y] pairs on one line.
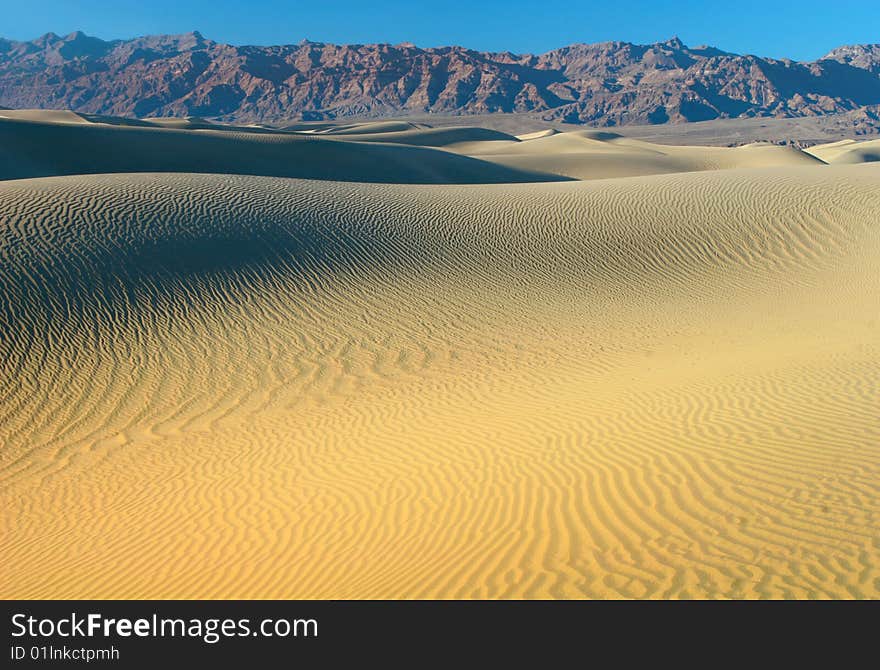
[[607, 84]]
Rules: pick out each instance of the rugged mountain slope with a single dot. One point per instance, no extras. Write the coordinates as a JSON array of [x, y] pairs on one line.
[[612, 83]]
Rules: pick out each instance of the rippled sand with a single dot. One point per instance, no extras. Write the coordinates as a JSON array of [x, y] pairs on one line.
[[241, 386]]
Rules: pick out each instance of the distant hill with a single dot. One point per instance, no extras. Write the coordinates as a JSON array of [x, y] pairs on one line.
[[608, 84]]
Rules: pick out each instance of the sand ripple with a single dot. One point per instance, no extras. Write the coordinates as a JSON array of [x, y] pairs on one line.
[[239, 386]]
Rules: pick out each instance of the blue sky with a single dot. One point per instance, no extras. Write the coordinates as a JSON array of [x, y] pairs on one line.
[[803, 30]]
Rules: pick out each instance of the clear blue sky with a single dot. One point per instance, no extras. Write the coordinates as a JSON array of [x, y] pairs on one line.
[[803, 30]]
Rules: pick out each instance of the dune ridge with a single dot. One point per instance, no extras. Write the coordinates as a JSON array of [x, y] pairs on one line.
[[245, 386]]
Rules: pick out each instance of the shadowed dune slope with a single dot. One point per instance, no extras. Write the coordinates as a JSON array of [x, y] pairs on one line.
[[59, 146], [247, 387]]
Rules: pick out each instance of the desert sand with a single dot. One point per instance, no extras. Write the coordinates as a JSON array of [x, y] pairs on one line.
[[848, 151], [393, 361]]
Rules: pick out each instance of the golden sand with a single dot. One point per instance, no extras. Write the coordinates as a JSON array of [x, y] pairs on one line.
[[243, 386]]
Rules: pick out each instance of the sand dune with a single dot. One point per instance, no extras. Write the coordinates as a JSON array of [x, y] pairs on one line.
[[44, 115], [591, 154], [247, 386], [848, 152], [537, 134], [37, 143], [432, 137], [370, 128], [43, 145]]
